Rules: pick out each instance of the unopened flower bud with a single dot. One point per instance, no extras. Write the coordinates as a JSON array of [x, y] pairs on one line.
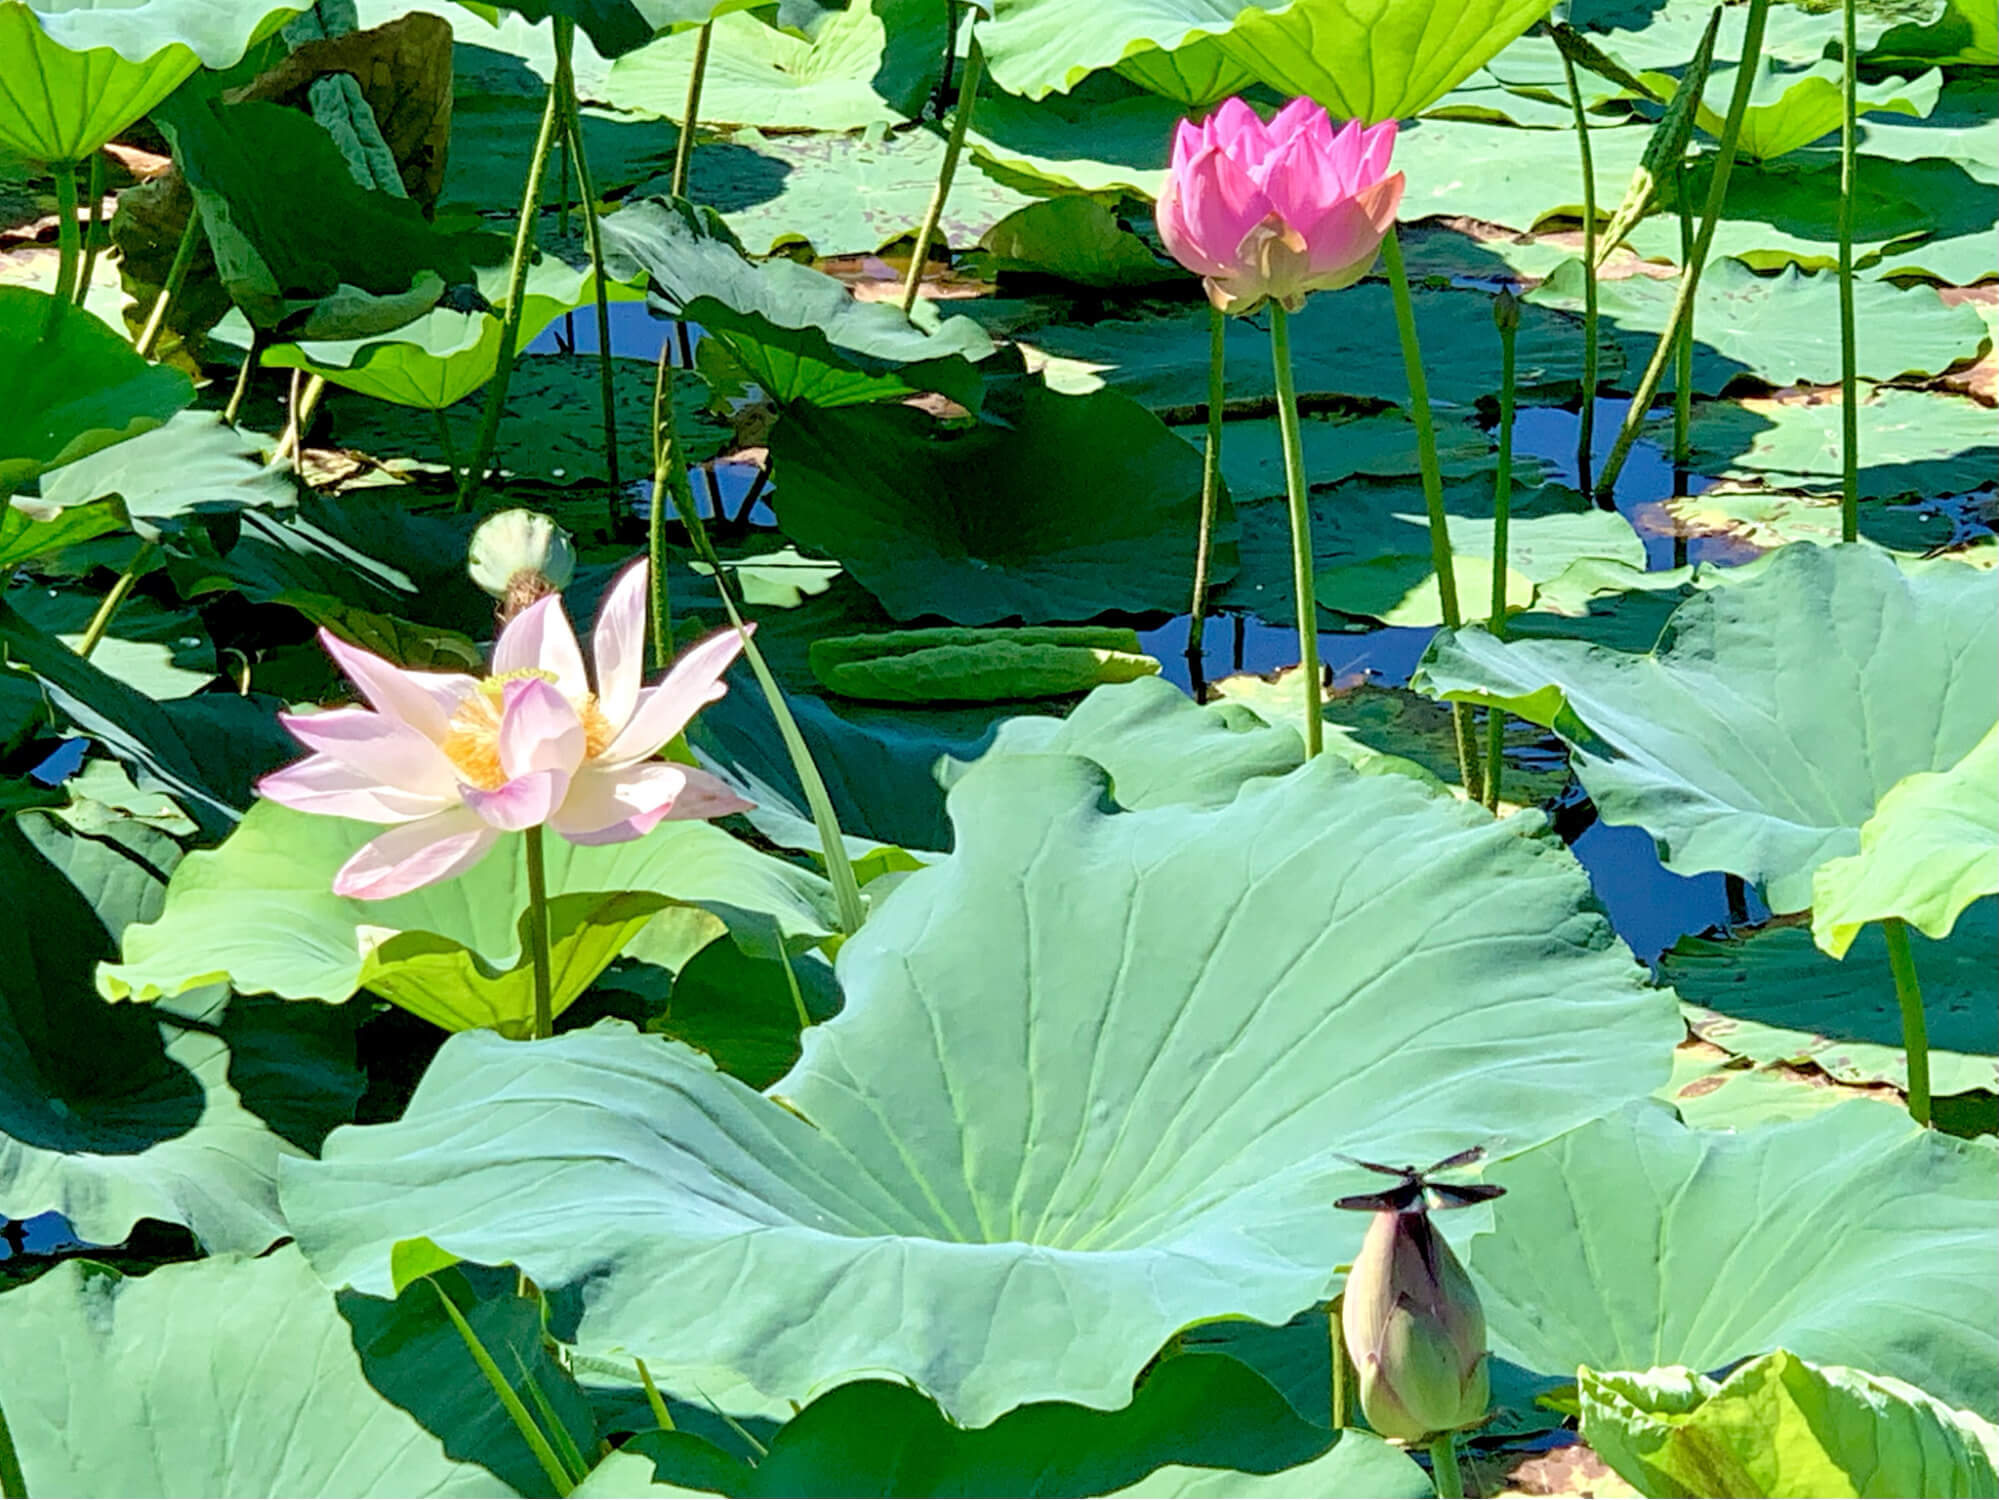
[[517, 556], [1415, 1331], [1506, 310]]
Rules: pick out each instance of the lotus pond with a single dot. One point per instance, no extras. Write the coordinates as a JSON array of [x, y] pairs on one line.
[[999, 747]]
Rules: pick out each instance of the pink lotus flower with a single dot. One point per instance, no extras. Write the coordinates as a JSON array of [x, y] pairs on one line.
[[453, 761], [1277, 210]]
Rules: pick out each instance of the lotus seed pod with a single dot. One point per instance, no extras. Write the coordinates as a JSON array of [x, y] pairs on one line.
[[1415, 1332], [517, 556]]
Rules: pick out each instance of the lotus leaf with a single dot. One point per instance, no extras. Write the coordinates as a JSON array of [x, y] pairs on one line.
[[164, 653], [978, 666], [1965, 31], [1106, 136], [1773, 715], [239, 1374], [1076, 238], [1187, 994], [75, 387], [1851, 1236], [193, 465], [1781, 1425], [33, 528], [1788, 109], [1195, 74]]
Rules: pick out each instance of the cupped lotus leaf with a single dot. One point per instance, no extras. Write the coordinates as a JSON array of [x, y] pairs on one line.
[[1106, 136], [1775, 997], [1054, 508], [226, 1377], [193, 465], [260, 912], [1372, 59], [1195, 74], [1773, 715], [800, 334], [98, 65], [1076, 238], [1781, 1425], [1088, 1087], [1929, 851], [74, 386], [1852, 1236], [1791, 109], [1965, 31]]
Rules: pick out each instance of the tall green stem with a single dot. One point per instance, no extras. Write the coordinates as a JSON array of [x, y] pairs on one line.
[[446, 442], [672, 464], [544, 995], [1211, 483], [1690, 273], [954, 143], [1915, 1032], [252, 357], [68, 248], [1297, 494], [1335, 1329], [690, 117], [108, 606], [517, 281], [1433, 490], [665, 439], [1444, 1467], [1849, 384], [1507, 316], [586, 190], [1683, 346], [190, 241], [1586, 427], [93, 221]]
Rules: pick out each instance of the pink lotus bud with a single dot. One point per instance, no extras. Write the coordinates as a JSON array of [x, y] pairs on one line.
[[1277, 210], [1415, 1331]]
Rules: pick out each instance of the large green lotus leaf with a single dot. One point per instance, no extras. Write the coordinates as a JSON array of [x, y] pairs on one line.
[[1067, 1109], [1958, 130], [1055, 508], [1513, 177], [1965, 31], [1790, 109], [1191, 1410], [1376, 59], [99, 65], [110, 1115], [227, 1377], [260, 912], [1929, 851], [74, 386], [1343, 343], [493, 135], [1774, 997], [1196, 74], [1774, 713], [1764, 518], [164, 653], [194, 465], [1852, 1236], [1337, 448], [1772, 328], [32, 528], [614, 26], [948, 664], [1076, 238], [1106, 136], [1913, 444], [800, 334]]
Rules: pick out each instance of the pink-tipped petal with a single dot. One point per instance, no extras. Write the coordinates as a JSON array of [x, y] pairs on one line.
[[663, 711], [1178, 236], [321, 784], [611, 807], [1188, 139], [540, 639], [1377, 145], [1301, 184], [539, 730], [414, 855], [383, 749], [1239, 131], [1342, 246], [422, 700], [525, 802], [619, 644]]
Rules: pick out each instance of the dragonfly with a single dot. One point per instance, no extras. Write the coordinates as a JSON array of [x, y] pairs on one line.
[[1416, 1192]]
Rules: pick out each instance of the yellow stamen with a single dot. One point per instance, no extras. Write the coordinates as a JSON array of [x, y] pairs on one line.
[[473, 743]]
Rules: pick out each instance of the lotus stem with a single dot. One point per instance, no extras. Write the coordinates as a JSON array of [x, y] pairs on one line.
[[1690, 273], [586, 190], [952, 10], [1849, 384], [1433, 489], [304, 401], [1502, 508], [1335, 1319], [446, 442], [1444, 1467], [544, 1000], [252, 357], [68, 251], [93, 221], [751, 494], [510, 1402], [1683, 347], [665, 439], [1915, 1033], [517, 280], [1297, 495], [190, 239], [954, 143], [1211, 483], [653, 1398], [690, 116], [670, 464], [100, 622], [1586, 426]]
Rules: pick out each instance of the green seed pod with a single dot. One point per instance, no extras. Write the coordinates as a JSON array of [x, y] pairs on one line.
[[1415, 1331], [517, 556]]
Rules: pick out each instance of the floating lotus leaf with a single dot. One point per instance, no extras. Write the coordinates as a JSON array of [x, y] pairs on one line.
[[1790, 109], [1852, 1236], [1773, 715], [1088, 1087], [192, 465]]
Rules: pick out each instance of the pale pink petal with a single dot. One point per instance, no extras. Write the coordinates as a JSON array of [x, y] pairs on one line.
[[416, 854], [387, 750], [619, 645], [539, 638], [611, 807], [422, 700], [1301, 184], [1239, 131], [663, 711], [321, 784], [539, 730], [1376, 146], [1342, 246], [525, 802]]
